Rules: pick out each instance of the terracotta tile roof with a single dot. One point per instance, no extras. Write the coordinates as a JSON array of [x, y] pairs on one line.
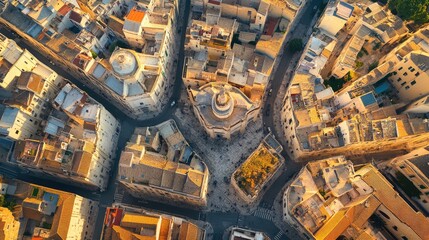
[[135, 15], [356, 216], [61, 221], [180, 179], [189, 231], [64, 10], [270, 26], [135, 220], [193, 183], [157, 171], [385, 193], [168, 174], [82, 60], [165, 228], [81, 163], [30, 82], [120, 233]]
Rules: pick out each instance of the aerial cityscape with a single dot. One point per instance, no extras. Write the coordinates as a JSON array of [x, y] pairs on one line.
[[214, 119]]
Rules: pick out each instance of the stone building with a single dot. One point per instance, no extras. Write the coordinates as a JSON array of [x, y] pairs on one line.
[[158, 164]]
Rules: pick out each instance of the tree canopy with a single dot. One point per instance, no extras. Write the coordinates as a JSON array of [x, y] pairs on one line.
[[296, 45], [416, 10]]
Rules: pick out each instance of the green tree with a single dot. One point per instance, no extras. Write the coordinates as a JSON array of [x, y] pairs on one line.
[[296, 45], [416, 10]]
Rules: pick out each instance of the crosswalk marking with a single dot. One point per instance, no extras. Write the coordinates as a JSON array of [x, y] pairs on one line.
[[264, 213], [279, 235]]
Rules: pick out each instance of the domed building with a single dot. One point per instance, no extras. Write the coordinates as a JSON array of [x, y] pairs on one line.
[[139, 80], [222, 109], [135, 77], [124, 62]]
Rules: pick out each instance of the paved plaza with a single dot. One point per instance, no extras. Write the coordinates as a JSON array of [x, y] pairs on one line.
[[222, 156]]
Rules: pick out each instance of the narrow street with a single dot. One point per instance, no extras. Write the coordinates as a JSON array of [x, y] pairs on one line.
[[219, 220]]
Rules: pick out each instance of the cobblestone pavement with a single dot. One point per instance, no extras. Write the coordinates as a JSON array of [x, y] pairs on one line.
[[222, 156]]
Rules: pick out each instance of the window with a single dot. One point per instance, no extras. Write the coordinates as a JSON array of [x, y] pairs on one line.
[[402, 84], [417, 74], [17, 131], [395, 227], [405, 74], [404, 238], [413, 82], [407, 87], [400, 68], [399, 79]]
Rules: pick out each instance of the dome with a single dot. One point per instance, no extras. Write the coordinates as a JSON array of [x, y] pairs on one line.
[[123, 62], [222, 104]]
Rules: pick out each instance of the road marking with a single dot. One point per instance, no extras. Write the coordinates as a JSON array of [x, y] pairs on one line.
[[264, 213]]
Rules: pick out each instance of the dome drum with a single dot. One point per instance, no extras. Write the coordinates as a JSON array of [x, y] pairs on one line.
[[222, 104]]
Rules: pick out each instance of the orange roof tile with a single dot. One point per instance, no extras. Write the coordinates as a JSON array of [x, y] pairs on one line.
[[385, 194], [30, 82], [165, 228], [81, 163], [64, 10], [135, 15], [189, 231]]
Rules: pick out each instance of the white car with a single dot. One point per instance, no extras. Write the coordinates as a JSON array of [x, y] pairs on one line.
[[173, 103]]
